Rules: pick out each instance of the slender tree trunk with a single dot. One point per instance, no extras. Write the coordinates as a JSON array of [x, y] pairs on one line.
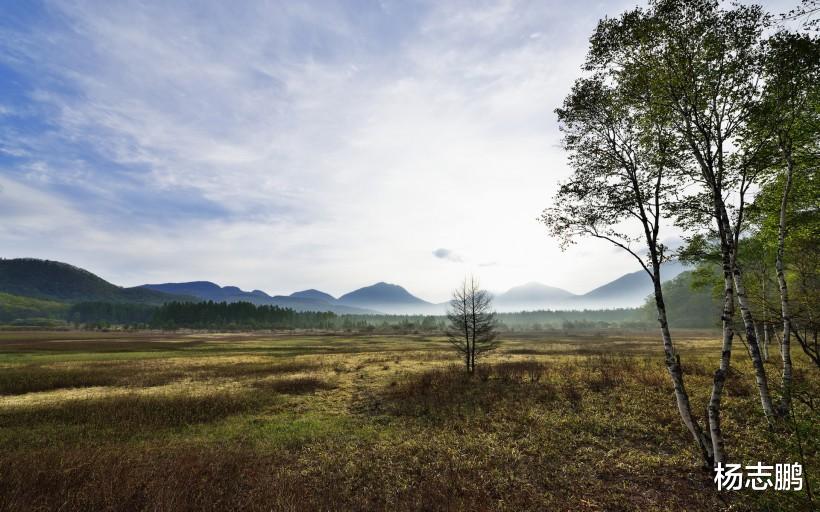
[[729, 244], [727, 317], [719, 381], [474, 325], [676, 373], [759, 337], [765, 345], [785, 346], [467, 337], [754, 346]]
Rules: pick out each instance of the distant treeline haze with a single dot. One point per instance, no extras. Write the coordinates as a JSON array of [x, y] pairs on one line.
[[692, 308]]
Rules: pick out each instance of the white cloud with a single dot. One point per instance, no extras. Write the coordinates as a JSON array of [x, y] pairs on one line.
[[334, 150]]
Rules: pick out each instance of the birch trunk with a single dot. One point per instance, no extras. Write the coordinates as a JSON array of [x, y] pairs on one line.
[[754, 346], [759, 337], [719, 381], [676, 373], [785, 345], [766, 342], [729, 245]]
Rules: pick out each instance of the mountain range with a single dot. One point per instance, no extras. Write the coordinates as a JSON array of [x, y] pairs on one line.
[[307, 300], [628, 291], [56, 281]]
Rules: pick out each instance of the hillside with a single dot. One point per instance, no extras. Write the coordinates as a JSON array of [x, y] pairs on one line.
[[388, 298], [314, 295], [56, 281], [533, 296], [629, 290], [686, 306], [16, 307]]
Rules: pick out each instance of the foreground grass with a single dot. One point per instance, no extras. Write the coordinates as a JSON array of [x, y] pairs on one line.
[[101, 421]]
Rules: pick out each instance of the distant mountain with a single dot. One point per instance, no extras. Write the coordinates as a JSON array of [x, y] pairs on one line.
[[309, 300], [629, 290], [56, 281], [532, 296], [308, 304], [205, 290], [388, 298], [315, 295]]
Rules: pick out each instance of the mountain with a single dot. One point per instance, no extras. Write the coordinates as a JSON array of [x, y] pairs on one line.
[[629, 290], [308, 300], [388, 298], [205, 290], [532, 296], [315, 295], [309, 304], [56, 281]]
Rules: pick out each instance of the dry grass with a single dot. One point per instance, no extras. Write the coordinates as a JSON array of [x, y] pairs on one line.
[[327, 422], [131, 412], [297, 385]]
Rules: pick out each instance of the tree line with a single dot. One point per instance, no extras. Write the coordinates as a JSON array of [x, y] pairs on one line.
[[250, 316], [237, 315]]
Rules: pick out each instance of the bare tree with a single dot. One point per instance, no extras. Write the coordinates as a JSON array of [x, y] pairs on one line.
[[473, 324]]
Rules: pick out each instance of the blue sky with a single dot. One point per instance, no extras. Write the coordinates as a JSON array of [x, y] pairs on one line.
[[289, 145]]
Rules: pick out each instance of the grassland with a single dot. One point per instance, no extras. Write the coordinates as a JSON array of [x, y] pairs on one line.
[[133, 421]]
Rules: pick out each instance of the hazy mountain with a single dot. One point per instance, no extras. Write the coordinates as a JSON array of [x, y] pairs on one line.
[[53, 280], [532, 296], [315, 295], [388, 298], [629, 290], [309, 300], [307, 304], [204, 290]]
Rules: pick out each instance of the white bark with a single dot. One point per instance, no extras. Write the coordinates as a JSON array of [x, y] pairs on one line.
[[785, 344]]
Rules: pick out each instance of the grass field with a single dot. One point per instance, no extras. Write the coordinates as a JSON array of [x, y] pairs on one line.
[[131, 421]]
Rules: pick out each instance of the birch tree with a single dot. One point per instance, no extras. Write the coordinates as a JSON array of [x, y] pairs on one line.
[[625, 168], [788, 116], [710, 76], [699, 69]]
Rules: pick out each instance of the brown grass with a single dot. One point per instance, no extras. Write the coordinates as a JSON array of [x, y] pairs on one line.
[[277, 422], [131, 412], [297, 385]]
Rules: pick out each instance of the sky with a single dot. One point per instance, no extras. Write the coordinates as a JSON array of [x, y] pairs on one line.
[[290, 145]]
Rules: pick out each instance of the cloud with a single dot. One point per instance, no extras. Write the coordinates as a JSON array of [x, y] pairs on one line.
[[447, 254], [287, 145]]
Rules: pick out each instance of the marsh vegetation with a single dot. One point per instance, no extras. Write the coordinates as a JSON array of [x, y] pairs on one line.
[[558, 421]]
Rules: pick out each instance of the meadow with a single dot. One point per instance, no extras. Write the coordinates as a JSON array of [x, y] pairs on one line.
[[343, 421]]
